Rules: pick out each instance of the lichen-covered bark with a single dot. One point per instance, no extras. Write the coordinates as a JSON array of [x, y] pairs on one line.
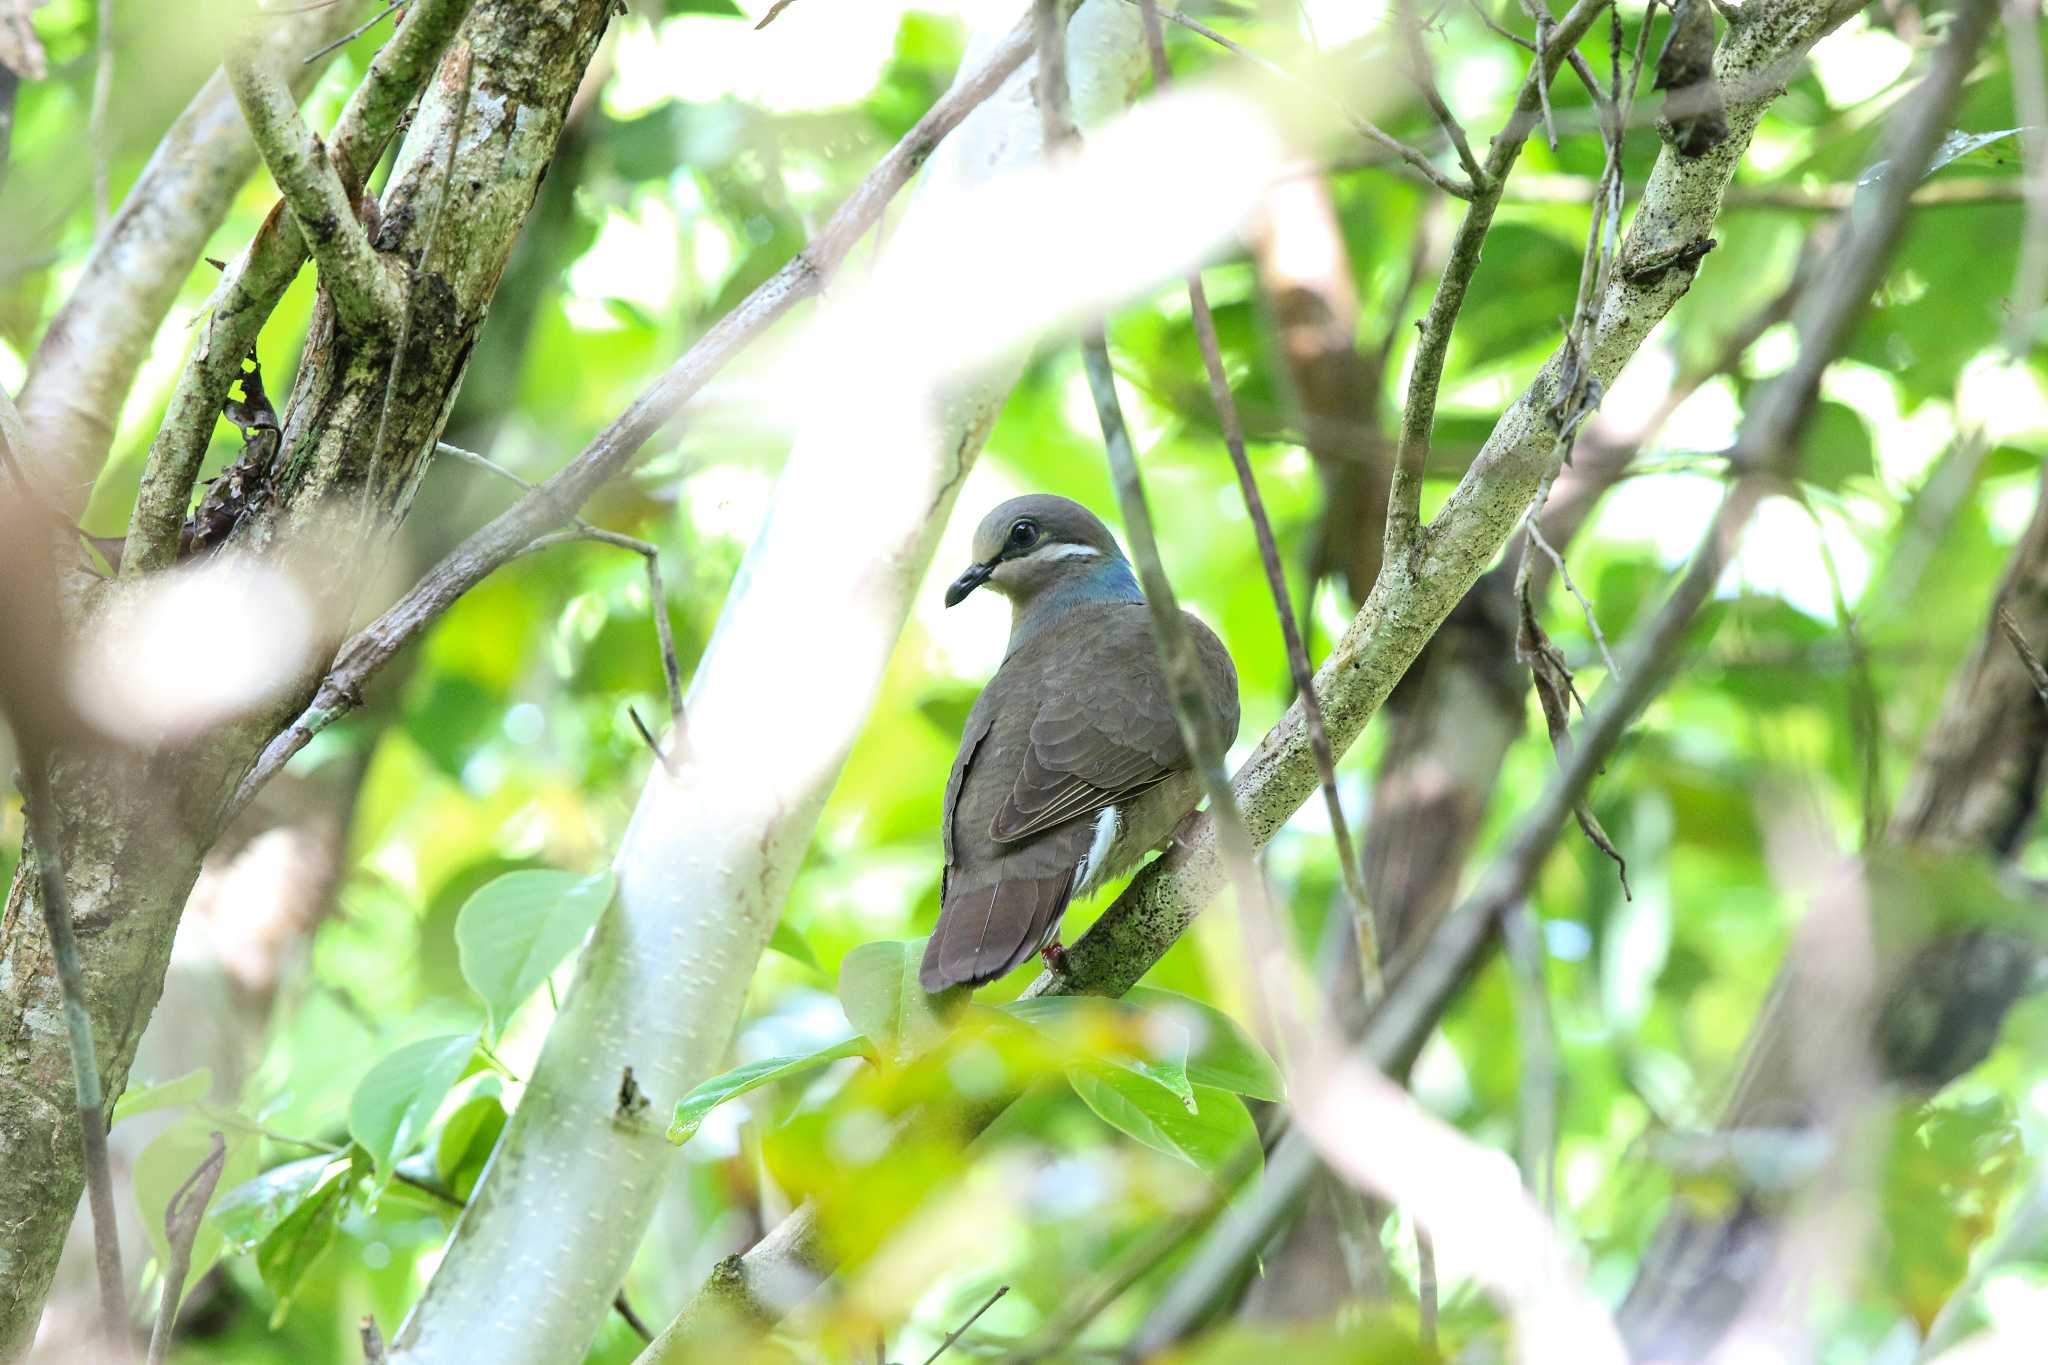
[[136, 826], [91, 350]]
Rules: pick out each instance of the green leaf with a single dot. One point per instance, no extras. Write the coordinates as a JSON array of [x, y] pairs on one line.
[[1160, 1057], [1220, 1053], [296, 1243], [793, 945], [878, 988], [466, 1142], [1209, 1136], [691, 1108], [167, 1163], [517, 929], [186, 1089], [252, 1210], [396, 1101], [723, 9]]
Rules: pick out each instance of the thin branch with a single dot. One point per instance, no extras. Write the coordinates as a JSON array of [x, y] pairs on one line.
[[1276, 577], [365, 295], [1365, 127], [258, 278], [555, 501], [85, 1072], [2029, 660], [975, 1316], [1941, 192], [1536, 1030], [1423, 73], [1425, 1288], [2030, 112], [1404, 510], [181, 1228], [98, 136], [671, 668], [358, 31]]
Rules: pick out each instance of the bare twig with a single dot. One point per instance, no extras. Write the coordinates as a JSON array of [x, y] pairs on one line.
[[778, 7], [85, 1072], [1365, 127], [1423, 72], [358, 31], [553, 502], [1425, 1288], [972, 1318], [98, 135], [1276, 576], [2030, 110], [1404, 511], [671, 668], [354, 275], [181, 1228], [1537, 1032], [2029, 660]]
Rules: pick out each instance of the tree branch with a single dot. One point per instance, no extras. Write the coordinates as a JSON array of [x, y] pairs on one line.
[[89, 354], [258, 278], [1418, 415], [366, 296], [556, 500]]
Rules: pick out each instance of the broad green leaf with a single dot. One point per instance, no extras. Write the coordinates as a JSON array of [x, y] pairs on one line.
[[168, 1162], [466, 1142], [296, 1243], [251, 1211], [519, 927], [394, 1103], [879, 991], [186, 1089], [1150, 1043], [793, 945], [691, 1109], [1220, 1052], [1209, 1136]]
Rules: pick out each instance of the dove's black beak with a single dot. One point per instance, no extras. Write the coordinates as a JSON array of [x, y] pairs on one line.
[[976, 575]]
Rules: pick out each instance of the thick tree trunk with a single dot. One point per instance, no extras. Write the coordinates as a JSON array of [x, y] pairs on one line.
[[137, 825]]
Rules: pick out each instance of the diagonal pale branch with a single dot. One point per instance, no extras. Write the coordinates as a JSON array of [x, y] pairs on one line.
[[365, 295]]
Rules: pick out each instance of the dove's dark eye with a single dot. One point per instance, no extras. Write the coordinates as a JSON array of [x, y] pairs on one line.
[[1024, 535]]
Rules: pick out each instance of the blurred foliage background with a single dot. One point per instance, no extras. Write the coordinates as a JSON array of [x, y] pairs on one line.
[[702, 153]]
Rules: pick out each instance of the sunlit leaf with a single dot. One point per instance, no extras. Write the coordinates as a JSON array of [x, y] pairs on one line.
[[691, 1109], [297, 1242], [140, 1099], [1216, 1131], [1220, 1052], [517, 929], [466, 1141], [252, 1210], [793, 945], [395, 1102], [879, 991]]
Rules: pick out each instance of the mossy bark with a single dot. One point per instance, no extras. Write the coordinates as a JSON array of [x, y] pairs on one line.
[[358, 432]]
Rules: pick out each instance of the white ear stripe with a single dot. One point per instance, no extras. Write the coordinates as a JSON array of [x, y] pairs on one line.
[[1073, 552]]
